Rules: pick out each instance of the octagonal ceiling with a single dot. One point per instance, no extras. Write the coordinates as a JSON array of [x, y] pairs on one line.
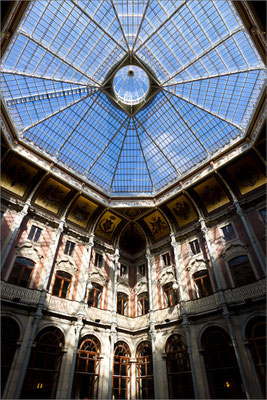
[[55, 71]]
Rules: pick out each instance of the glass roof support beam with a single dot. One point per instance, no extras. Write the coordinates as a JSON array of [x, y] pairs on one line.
[[238, 29], [214, 76], [98, 25], [119, 156], [109, 142], [7, 71], [161, 25], [141, 23], [56, 112], [161, 151], [184, 121], [77, 124], [56, 55], [119, 22], [42, 96], [141, 147], [208, 111]]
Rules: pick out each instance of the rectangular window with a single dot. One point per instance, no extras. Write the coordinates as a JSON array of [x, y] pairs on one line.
[[141, 271], [35, 233], [228, 232], [166, 259], [123, 271], [194, 246], [69, 247], [98, 260]]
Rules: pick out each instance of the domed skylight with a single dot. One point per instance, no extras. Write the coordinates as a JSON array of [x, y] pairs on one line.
[[57, 81], [131, 84]]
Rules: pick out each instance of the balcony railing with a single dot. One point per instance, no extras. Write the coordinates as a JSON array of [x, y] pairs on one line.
[[71, 308]]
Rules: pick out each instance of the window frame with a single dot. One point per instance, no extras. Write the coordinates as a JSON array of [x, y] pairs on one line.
[[122, 273], [166, 259], [69, 248], [21, 272], [200, 276], [171, 294], [123, 360], [35, 233], [96, 289], [239, 271], [98, 260], [123, 297], [144, 363], [194, 246], [63, 280], [143, 298], [142, 274], [228, 232]]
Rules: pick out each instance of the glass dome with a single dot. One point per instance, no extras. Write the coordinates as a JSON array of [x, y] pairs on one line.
[[131, 84]]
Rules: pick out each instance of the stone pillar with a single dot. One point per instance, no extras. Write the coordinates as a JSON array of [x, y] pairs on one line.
[[152, 330], [186, 326], [255, 245], [78, 328], [18, 221], [89, 249], [177, 265], [226, 313], [38, 314], [114, 324]]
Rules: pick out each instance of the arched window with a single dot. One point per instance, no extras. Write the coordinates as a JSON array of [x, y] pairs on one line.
[[178, 369], [10, 333], [144, 372], [256, 336], [170, 295], [202, 283], [121, 383], [62, 284], [221, 365], [143, 304], [95, 295], [86, 379], [21, 272], [241, 270], [44, 366], [122, 304]]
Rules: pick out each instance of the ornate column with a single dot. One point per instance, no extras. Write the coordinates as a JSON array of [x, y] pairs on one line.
[[177, 265], [18, 221], [152, 329], [39, 313], [78, 328], [89, 246], [255, 245], [114, 324], [226, 313]]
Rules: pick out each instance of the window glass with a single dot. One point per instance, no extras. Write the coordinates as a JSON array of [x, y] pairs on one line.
[[69, 247], [123, 271], [122, 304], [228, 232], [170, 295], [194, 246], [202, 284], [62, 284], [141, 271], [95, 294], [35, 233], [241, 270], [166, 259], [98, 260], [21, 272]]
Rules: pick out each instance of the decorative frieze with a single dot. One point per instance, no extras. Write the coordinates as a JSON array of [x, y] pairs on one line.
[[253, 290]]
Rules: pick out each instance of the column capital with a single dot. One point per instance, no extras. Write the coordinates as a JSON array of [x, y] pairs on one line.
[[203, 226], [61, 225], [117, 254], [238, 208], [91, 240], [148, 253]]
